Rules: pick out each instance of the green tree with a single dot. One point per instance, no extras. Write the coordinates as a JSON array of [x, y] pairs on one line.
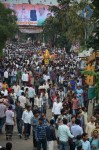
[[93, 40], [8, 26], [51, 30], [70, 20]]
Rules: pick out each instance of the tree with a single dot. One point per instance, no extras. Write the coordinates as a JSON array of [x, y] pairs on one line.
[[51, 30], [93, 40], [8, 26], [70, 20]]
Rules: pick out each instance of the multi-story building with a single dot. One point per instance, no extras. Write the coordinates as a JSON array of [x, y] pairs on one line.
[[45, 2], [31, 14]]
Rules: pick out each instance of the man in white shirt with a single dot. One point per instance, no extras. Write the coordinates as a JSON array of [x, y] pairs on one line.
[[90, 126], [31, 94], [25, 78], [46, 77], [64, 134], [22, 100], [57, 106], [16, 88], [6, 76], [26, 117], [85, 142]]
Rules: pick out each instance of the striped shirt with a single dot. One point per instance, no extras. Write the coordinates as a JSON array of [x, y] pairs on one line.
[[40, 132]]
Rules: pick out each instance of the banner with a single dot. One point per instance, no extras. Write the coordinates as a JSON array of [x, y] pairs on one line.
[[28, 14]]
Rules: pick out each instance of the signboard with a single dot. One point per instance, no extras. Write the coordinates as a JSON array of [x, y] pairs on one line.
[[28, 14], [87, 12], [30, 30]]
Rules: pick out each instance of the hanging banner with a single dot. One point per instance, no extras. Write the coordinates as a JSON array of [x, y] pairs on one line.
[[28, 14]]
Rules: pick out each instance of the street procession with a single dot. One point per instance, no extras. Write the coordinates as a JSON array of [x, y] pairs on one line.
[[49, 75]]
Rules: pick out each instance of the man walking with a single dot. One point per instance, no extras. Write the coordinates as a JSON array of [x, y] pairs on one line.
[[40, 135], [2, 114], [51, 137], [34, 123], [64, 134], [19, 112], [31, 94], [56, 110]]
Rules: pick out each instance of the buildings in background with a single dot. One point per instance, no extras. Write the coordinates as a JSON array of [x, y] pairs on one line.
[[45, 2]]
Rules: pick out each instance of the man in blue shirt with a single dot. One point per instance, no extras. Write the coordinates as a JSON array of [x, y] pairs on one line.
[[73, 84], [40, 135], [51, 137]]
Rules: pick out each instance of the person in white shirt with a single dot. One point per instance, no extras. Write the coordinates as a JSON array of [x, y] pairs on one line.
[[61, 94], [90, 126], [46, 77], [26, 117], [22, 100], [10, 122], [25, 78], [85, 142], [6, 76], [64, 134], [38, 102], [16, 88], [13, 95], [5, 92], [57, 106], [31, 94]]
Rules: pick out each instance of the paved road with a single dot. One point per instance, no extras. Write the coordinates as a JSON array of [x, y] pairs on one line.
[[21, 144]]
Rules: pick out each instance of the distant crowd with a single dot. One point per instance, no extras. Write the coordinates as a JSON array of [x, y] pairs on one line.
[[52, 99]]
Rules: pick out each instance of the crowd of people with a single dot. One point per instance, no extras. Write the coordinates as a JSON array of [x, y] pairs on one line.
[[29, 90]]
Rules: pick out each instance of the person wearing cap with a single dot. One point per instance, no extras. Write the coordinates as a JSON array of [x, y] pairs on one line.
[[2, 114]]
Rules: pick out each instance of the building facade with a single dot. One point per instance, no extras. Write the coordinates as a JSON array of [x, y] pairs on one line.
[[45, 2]]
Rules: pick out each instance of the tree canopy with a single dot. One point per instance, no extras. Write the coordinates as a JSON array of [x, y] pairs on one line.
[[70, 21], [93, 40], [8, 26]]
